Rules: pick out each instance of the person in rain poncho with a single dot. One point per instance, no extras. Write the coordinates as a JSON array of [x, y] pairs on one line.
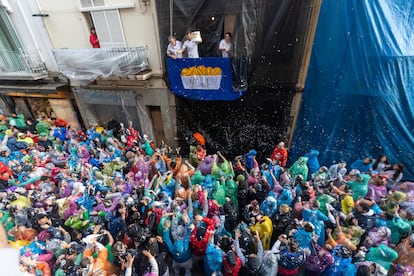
[[313, 162], [359, 184], [299, 168], [264, 227]]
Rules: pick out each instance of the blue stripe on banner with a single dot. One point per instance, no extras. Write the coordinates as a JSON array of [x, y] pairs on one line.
[[205, 79]]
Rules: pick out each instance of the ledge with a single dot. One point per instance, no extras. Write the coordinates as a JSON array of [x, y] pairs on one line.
[[102, 8]]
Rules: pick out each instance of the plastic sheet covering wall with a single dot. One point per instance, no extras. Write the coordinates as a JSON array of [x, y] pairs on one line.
[[269, 38], [123, 106], [87, 64], [359, 96]]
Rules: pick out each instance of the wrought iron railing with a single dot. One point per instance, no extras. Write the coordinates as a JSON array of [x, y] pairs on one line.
[[21, 62]]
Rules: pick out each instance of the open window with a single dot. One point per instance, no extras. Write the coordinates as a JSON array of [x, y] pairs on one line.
[[108, 26]]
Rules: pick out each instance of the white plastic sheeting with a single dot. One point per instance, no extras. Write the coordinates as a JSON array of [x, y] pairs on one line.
[[123, 106], [86, 65]]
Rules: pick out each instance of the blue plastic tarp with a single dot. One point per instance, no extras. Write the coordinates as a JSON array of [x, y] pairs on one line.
[[358, 100]]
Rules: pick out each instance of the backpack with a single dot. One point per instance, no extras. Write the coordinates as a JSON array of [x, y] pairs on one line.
[[246, 243], [366, 222], [269, 265], [291, 261], [316, 262], [248, 269], [242, 194]]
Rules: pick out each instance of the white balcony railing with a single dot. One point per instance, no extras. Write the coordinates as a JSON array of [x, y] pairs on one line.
[[21, 65], [88, 64]]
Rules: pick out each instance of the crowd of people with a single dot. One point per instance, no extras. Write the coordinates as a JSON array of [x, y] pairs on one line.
[[109, 201]]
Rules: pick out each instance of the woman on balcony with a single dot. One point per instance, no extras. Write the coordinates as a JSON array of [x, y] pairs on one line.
[[93, 39]]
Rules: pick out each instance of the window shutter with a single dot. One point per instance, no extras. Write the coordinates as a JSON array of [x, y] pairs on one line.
[[109, 28], [86, 3], [115, 28], [92, 3], [98, 3]]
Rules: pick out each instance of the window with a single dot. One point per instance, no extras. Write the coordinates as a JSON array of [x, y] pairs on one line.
[[109, 28], [100, 5], [8, 36], [92, 3], [10, 45]]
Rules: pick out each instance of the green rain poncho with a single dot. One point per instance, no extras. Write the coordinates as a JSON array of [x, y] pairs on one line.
[[216, 172], [197, 177], [193, 159], [118, 165], [226, 169], [223, 169], [398, 227], [147, 148], [18, 121], [77, 222], [105, 137], [359, 188], [7, 222], [219, 193], [42, 126], [232, 190], [299, 167], [382, 255], [320, 175], [323, 200]]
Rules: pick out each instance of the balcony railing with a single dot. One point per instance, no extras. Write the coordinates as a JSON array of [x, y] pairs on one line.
[[88, 64], [21, 65]]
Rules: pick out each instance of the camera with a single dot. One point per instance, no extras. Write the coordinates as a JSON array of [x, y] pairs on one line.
[[138, 233], [132, 252], [11, 197]]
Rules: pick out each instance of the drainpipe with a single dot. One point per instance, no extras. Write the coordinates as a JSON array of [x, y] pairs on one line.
[[171, 16], [300, 86]]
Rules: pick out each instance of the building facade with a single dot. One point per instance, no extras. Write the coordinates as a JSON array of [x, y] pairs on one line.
[[47, 59]]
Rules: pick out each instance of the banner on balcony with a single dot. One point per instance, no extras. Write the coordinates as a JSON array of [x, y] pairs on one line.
[[205, 79]]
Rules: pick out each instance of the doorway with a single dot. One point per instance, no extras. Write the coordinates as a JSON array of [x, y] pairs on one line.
[[158, 124]]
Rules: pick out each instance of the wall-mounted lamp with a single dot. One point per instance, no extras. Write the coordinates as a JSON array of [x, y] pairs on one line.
[[40, 15], [146, 2]]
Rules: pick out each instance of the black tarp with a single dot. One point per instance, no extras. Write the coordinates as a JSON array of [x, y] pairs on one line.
[[269, 39]]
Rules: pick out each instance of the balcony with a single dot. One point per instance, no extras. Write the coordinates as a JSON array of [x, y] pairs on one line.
[[85, 65], [21, 65]]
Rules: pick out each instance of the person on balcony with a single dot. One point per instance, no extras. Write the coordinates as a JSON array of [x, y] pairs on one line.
[[93, 39], [191, 46], [225, 46], [174, 48]]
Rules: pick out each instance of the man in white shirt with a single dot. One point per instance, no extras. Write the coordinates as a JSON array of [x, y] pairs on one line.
[[174, 48], [225, 46], [191, 46]]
